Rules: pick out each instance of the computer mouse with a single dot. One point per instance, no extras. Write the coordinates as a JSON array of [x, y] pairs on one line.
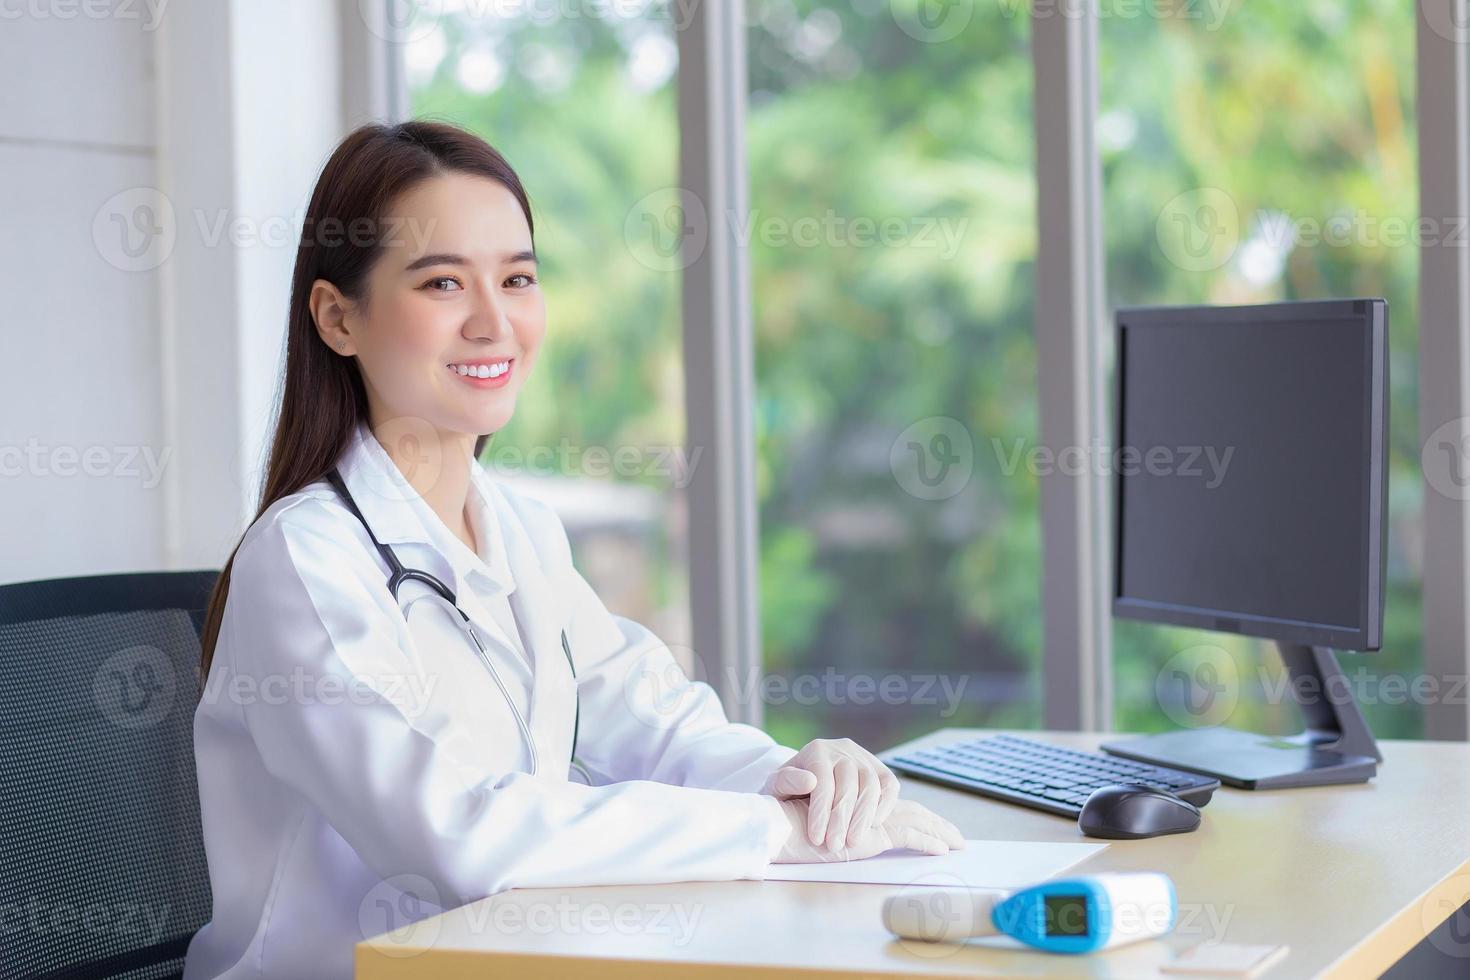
[[1130, 811]]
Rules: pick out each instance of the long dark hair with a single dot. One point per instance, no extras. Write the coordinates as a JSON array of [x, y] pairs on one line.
[[322, 395]]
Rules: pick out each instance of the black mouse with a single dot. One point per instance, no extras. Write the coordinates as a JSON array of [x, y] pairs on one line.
[[1130, 811]]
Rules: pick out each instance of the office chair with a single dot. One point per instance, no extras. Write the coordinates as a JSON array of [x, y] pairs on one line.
[[102, 870]]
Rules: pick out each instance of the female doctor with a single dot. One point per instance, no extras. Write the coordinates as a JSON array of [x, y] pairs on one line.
[[400, 654]]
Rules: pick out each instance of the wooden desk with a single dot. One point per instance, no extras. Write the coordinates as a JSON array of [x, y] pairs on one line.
[[1350, 877]]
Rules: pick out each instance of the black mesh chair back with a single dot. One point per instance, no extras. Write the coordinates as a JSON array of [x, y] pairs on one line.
[[102, 870]]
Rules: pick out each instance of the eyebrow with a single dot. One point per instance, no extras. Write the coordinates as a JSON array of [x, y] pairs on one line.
[[450, 258]]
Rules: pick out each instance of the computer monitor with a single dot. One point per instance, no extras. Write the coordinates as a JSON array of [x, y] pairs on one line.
[[1282, 533]]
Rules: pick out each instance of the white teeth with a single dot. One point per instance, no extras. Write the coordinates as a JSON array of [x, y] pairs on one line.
[[480, 370]]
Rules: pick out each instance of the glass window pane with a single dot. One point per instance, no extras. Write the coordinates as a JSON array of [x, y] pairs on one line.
[[1254, 153], [584, 108], [892, 237]]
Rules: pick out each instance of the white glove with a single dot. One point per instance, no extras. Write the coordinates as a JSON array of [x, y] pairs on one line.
[[850, 791], [908, 825]]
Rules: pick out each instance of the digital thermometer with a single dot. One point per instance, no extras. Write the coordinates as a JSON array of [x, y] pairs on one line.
[[1069, 915]]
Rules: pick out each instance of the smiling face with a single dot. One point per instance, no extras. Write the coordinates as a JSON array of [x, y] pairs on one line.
[[453, 315]]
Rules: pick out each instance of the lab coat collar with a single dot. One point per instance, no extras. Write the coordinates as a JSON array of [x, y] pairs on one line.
[[399, 516]]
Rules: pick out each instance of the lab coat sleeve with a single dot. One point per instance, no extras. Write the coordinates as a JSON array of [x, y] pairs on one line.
[[642, 716], [308, 604]]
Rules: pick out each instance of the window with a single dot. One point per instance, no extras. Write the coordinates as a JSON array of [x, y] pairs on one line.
[[892, 237], [1254, 153], [584, 108], [1249, 154]]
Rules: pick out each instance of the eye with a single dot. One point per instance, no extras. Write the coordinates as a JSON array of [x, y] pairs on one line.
[[530, 280], [433, 285]]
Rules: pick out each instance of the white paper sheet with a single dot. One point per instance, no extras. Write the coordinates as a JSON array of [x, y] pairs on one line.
[[981, 864]]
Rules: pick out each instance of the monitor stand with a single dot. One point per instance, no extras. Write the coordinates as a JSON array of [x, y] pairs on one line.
[[1336, 747]]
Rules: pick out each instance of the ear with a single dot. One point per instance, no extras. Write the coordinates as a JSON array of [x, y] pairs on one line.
[[329, 311]]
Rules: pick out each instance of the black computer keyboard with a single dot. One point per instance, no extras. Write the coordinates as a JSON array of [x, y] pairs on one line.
[[1042, 776]]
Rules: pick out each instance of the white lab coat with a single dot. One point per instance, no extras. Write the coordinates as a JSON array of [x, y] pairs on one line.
[[356, 765]]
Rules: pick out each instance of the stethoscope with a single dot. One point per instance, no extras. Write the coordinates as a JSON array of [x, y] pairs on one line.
[[398, 574]]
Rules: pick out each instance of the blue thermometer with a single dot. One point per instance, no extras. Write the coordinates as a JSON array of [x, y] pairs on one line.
[[1069, 915]]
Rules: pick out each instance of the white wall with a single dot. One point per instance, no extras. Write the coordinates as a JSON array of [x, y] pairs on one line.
[[250, 106], [139, 372], [81, 365]]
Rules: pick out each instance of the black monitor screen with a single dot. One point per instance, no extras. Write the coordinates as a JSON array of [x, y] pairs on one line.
[[1244, 471]]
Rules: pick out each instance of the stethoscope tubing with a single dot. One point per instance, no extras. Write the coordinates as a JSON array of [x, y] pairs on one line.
[[399, 574]]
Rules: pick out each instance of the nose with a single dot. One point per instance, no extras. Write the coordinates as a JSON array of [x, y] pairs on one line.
[[488, 320]]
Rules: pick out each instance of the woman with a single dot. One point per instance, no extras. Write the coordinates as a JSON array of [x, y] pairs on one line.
[[361, 747]]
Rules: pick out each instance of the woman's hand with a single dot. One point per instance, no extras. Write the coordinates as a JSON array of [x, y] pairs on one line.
[[849, 791], [908, 825]]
